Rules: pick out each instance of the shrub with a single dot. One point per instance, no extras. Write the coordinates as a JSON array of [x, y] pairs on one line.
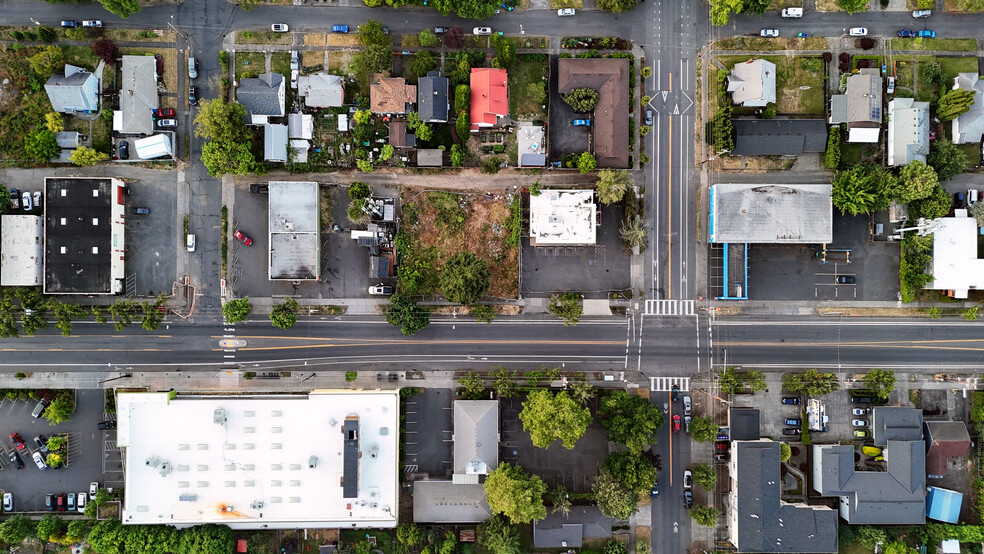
[[831, 158], [350, 376]]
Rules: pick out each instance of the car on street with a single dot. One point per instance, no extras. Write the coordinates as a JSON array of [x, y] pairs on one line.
[[566, 12], [93, 488], [846, 279], [686, 423], [906, 33], [17, 441], [339, 28], [858, 31], [8, 501], [675, 393], [791, 400], [167, 122], [109, 424], [655, 492], [482, 31], [190, 246], [791, 431], [860, 400], [649, 117], [92, 23], [193, 95], [859, 422], [791, 421], [241, 237], [926, 33], [15, 459], [890, 87], [279, 28], [192, 68], [49, 502], [686, 405], [688, 499], [769, 33], [381, 289], [141, 211], [124, 150], [164, 112], [440, 30], [39, 460], [860, 411], [15, 198], [80, 502], [26, 201], [70, 23], [676, 423], [42, 443], [721, 445], [922, 13], [37, 199], [581, 122], [688, 480], [860, 434]]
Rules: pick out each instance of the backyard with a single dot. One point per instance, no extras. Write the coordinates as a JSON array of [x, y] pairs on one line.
[[526, 95], [792, 74]]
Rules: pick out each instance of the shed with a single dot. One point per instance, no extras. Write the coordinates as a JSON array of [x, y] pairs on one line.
[[153, 147]]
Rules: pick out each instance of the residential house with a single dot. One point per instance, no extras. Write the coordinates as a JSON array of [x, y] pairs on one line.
[[432, 98], [138, 96], [968, 127], [531, 146], [73, 90], [779, 137], [275, 143], [908, 131], [610, 120], [321, 90], [569, 530], [945, 440], [263, 97], [955, 266], [300, 130], [861, 107], [392, 95], [489, 97], [398, 135], [753, 84]]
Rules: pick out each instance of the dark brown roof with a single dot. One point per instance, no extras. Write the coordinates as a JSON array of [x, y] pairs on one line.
[[945, 439], [610, 77]]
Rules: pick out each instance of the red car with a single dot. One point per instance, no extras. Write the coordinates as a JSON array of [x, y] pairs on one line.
[[17, 440], [676, 424], [243, 238], [165, 112], [721, 446]]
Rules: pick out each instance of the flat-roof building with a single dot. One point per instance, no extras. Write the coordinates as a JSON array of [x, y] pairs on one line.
[[326, 459], [84, 244], [955, 264], [295, 233], [21, 250], [563, 217], [771, 214]]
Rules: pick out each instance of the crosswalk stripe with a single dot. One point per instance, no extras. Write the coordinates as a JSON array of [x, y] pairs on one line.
[[670, 307], [665, 384]]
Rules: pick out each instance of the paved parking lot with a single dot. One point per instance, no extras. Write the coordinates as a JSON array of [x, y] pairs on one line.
[[86, 456], [152, 240], [428, 447], [837, 405]]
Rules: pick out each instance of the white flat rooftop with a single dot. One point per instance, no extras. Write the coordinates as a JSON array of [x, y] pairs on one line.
[[562, 217], [254, 462], [955, 264]]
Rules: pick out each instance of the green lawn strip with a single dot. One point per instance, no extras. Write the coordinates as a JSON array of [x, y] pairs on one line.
[[938, 44], [265, 37], [521, 104], [249, 64], [763, 43], [790, 75], [280, 63], [903, 74]]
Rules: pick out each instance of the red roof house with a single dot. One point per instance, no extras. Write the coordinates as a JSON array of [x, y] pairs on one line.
[[489, 96], [944, 440]]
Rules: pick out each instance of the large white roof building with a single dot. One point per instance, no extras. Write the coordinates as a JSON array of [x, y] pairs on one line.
[[563, 217], [326, 459], [955, 263]]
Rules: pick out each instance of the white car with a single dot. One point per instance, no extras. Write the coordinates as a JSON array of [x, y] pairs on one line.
[[39, 460], [93, 488], [688, 480], [482, 31], [860, 411], [922, 13], [381, 289], [858, 32], [92, 23], [190, 242], [279, 28], [859, 422], [293, 78], [566, 12], [294, 61], [8, 501], [80, 502], [769, 33], [26, 201], [37, 199]]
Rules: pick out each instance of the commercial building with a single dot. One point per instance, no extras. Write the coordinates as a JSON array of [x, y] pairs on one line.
[[770, 213], [294, 230], [21, 250], [609, 121], [955, 265], [563, 217]]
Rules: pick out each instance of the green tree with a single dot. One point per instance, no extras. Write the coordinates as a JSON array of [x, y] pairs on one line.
[[228, 158], [634, 233], [54, 122], [47, 61], [59, 410], [386, 152], [549, 417], [704, 515], [615, 547], [236, 310], [916, 180], [703, 429], [934, 206], [78, 529], [881, 381], [83, 156], [153, 314], [581, 100], [364, 166], [612, 185], [832, 156], [946, 158], [41, 145], [954, 102], [586, 163], [123, 312], [49, 525], [869, 537], [614, 499], [457, 155], [465, 278], [499, 536], [408, 535], [721, 10], [472, 386], [64, 314], [582, 391], [16, 529], [505, 56], [375, 59], [630, 419], [371, 32], [122, 8], [362, 117], [419, 64], [705, 476], [862, 189], [854, 6], [560, 500], [785, 452], [513, 492], [206, 539], [427, 38], [483, 312], [108, 537], [462, 98], [810, 382], [284, 315], [567, 307], [504, 382], [633, 470], [722, 129], [359, 191], [617, 6], [406, 314], [424, 132], [731, 381], [220, 121]]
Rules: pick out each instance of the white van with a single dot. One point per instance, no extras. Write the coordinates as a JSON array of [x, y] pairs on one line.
[[191, 242], [971, 196], [792, 12], [192, 68]]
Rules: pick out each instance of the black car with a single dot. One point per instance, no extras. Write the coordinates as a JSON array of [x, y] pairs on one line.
[[791, 400], [860, 400], [259, 189], [688, 499], [791, 421], [846, 279], [124, 150], [42, 443], [106, 425], [16, 459], [675, 393], [791, 431], [70, 23], [193, 95]]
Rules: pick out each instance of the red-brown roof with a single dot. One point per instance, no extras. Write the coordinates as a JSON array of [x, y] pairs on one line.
[[945, 439], [391, 95], [489, 96], [610, 125]]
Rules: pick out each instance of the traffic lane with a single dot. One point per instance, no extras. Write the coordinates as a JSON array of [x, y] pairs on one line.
[[834, 24], [669, 346], [668, 511]]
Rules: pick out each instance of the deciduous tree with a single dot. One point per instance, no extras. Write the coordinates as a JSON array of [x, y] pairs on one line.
[[810, 382], [633, 470], [916, 180], [704, 515], [549, 417], [46, 62], [218, 120], [122, 8], [41, 145], [54, 122], [465, 278], [427, 38], [703, 429], [785, 452], [567, 307], [499, 536], [946, 158], [881, 381], [721, 10], [934, 206], [704, 475], [17, 528], [284, 315], [236, 310], [106, 50], [862, 189], [228, 158], [630, 420], [612, 184], [83, 156], [617, 6], [614, 499], [586, 163], [581, 100], [406, 314], [371, 32], [854, 6], [516, 494]]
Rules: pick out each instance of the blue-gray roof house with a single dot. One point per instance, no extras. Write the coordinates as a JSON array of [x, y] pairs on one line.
[[432, 98], [263, 97], [74, 90]]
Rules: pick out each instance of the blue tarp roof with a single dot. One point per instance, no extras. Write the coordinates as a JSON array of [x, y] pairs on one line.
[[943, 504]]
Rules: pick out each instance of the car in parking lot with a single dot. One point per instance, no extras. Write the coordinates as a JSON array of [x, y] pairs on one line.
[[164, 112], [39, 409], [70, 23], [80, 502], [922, 13], [906, 33], [141, 211], [859, 422], [167, 122], [39, 460], [860, 411], [60, 502], [791, 400], [93, 488], [71, 501], [688, 479], [49, 502], [846, 279], [339, 28], [566, 12], [381, 289], [791, 431], [279, 28], [723, 433], [259, 189], [15, 459], [241, 237], [8, 501], [860, 400], [791, 421], [37, 199], [110, 424], [769, 33], [676, 423], [92, 23], [15, 198], [722, 445], [26, 201], [860, 434], [926, 33], [17, 441], [482, 31], [42, 443], [688, 499], [581, 122], [686, 405], [858, 31], [124, 150]]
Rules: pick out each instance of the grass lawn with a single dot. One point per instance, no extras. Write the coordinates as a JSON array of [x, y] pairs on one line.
[[855, 549], [762, 43], [263, 37], [521, 103], [81, 56], [527, 41], [314, 39], [828, 6], [973, 153], [280, 63], [953, 6], [793, 72], [249, 64], [952, 66], [853, 153], [556, 4], [384, 541], [939, 44], [129, 35]]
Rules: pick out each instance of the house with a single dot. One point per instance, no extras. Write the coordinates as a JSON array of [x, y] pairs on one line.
[[300, 126], [968, 127], [779, 137], [860, 108], [945, 440], [73, 90], [569, 530], [609, 122], [249, 461], [138, 96], [21, 250], [68, 139], [943, 504], [531, 146], [753, 84], [263, 97], [294, 229], [489, 97], [321, 90], [563, 218], [894, 496], [770, 213], [275, 143], [392, 95], [432, 98], [908, 131], [759, 521], [430, 157], [955, 264], [398, 135]]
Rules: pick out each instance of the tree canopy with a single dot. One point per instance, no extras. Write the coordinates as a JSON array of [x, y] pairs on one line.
[[46, 62], [810, 382], [581, 100], [513, 492], [404, 313], [936, 205], [236, 310], [284, 315], [614, 499], [612, 184], [862, 189], [916, 180], [83, 156], [586, 163], [218, 120], [499, 536], [465, 278], [946, 158], [721, 10], [881, 381], [633, 470], [122, 8], [703, 429], [41, 145], [549, 417], [705, 476], [617, 6], [467, 9], [854, 6], [630, 419], [954, 102]]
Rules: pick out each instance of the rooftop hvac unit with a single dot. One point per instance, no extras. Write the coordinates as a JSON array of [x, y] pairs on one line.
[[219, 416], [153, 461], [374, 451], [257, 505], [313, 462]]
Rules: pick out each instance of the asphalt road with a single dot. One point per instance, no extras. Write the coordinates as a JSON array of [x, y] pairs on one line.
[[671, 525]]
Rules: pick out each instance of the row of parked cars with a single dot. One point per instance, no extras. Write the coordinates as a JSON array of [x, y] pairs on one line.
[[58, 502], [25, 199]]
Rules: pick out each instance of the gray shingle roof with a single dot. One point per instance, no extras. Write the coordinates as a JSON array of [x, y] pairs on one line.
[[968, 127], [864, 106], [138, 94], [890, 423], [432, 97], [581, 523], [771, 213], [321, 90], [476, 436], [779, 137], [445, 502], [262, 96], [73, 90], [430, 157]]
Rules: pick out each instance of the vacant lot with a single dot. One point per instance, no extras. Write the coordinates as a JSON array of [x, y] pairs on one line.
[[264, 37], [762, 43], [526, 101], [938, 44], [792, 73]]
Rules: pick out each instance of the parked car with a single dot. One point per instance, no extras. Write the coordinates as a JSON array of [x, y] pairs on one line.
[[26, 201], [124, 150], [141, 211], [860, 411], [922, 13], [769, 33], [686, 405], [42, 443], [293, 78], [440, 30], [858, 31], [482, 31], [279, 28], [846, 279], [295, 63], [381, 289], [655, 493], [70, 23], [8, 501], [926, 33], [791, 421], [721, 445], [192, 68], [860, 400], [17, 441], [566, 12], [259, 189], [906, 33], [92, 23], [71, 501], [39, 409], [676, 423], [110, 424], [15, 198], [958, 200], [93, 488], [859, 422], [193, 95], [167, 122], [791, 400], [688, 499], [37, 199], [675, 393], [890, 88], [80, 502], [339, 28], [723, 433], [60, 502], [241, 237], [581, 122], [722, 457], [860, 434], [190, 246], [686, 423], [649, 117], [164, 112], [688, 480], [49, 502], [39, 460], [15, 459], [791, 431]]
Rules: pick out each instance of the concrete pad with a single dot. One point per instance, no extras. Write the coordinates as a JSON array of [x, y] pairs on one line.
[[597, 307]]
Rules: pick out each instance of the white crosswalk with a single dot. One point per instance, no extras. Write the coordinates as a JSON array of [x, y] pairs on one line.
[[670, 307], [665, 384]]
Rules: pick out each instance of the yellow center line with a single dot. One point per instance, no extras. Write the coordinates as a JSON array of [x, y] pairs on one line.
[[327, 343], [669, 202]]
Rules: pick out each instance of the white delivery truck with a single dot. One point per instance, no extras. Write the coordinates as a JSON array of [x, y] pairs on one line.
[[792, 12]]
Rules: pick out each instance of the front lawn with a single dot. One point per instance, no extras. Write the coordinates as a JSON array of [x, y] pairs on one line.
[[792, 73], [523, 105], [264, 37], [280, 63], [763, 43], [938, 44], [249, 64]]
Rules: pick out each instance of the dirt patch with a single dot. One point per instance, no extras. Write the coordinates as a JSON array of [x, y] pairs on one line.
[[828, 6], [874, 312], [752, 163], [314, 39], [342, 39], [643, 534]]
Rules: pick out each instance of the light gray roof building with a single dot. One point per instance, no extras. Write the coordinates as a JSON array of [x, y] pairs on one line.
[[860, 107], [300, 126], [430, 157], [73, 90], [138, 94], [779, 137], [753, 83], [968, 127], [771, 214], [321, 90], [569, 531], [68, 139], [890, 423], [21, 250], [759, 521], [275, 143], [295, 238], [476, 437], [263, 97], [447, 502], [432, 98], [908, 131]]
